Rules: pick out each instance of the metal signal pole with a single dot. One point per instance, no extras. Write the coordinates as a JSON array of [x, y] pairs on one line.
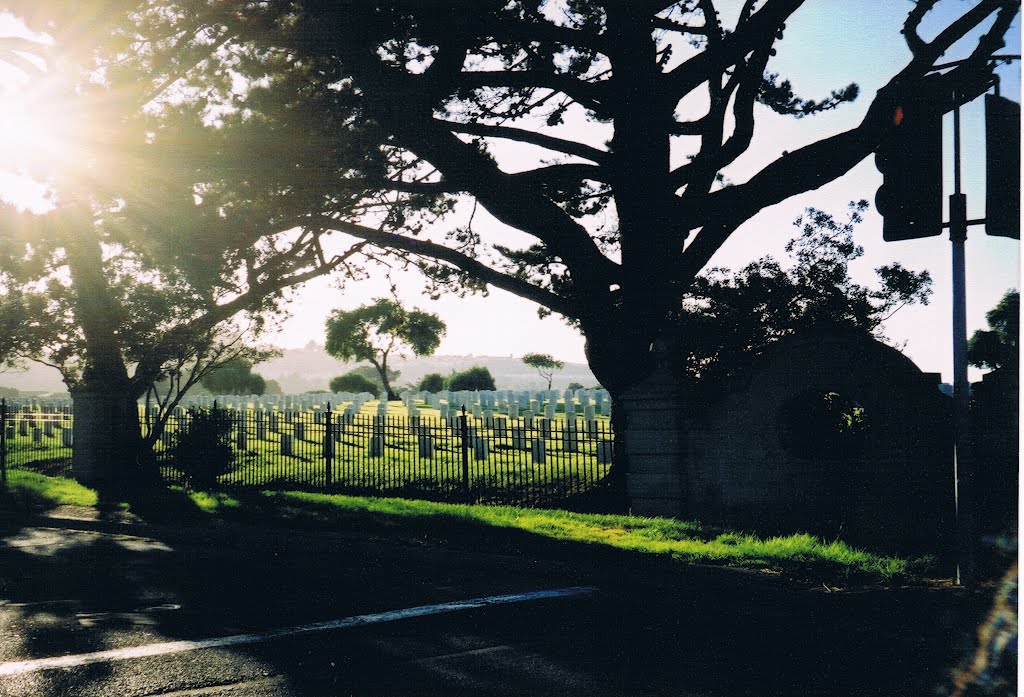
[[963, 465]]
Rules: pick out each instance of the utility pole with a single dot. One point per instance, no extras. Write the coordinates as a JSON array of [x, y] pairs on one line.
[[963, 465]]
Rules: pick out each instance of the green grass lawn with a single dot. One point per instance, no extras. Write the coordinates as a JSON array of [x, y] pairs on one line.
[[31, 489], [504, 528]]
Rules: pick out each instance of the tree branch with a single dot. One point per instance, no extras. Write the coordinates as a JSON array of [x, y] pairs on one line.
[[561, 174], [149, 366], [690, 74], [533, 138], [670, 25], [589, 94], [463, 262], [514, 203]]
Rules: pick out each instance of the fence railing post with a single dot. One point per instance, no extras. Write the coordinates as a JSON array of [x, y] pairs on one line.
[[464, 433], [328, 448], [3, 443]]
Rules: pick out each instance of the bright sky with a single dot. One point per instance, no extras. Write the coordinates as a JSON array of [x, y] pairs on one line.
[[828, 44]]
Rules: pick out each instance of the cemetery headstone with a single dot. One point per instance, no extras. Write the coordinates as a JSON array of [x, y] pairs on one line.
[[376, 445], [481, 448], [570, 438], [538, 451], [519, 438], [426, 446]]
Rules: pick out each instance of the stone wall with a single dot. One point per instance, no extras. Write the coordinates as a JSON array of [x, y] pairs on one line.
[[893, 491]]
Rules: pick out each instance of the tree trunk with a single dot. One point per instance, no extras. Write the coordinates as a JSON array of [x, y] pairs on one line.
[[107, 452], [387, 385]]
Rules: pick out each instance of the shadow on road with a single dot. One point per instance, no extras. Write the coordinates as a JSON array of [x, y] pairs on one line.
[[653, 629]]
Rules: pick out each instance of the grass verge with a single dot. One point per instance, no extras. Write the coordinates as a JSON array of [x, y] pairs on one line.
[[33, 490], [503, 528]]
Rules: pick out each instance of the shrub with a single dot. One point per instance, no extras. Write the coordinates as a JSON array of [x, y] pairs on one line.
[[475, 378], [234, 377], [353, 382], [202, 448], [432, 382]]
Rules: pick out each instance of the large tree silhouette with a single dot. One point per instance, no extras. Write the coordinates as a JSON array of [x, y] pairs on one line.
[[170, 238], [637, 106], [627, 203]]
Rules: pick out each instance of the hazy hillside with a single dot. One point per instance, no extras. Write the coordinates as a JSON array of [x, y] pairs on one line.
[[310, 368], [36, 378]]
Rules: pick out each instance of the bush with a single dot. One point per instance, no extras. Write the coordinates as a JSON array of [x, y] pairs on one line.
[[234, 377], [353, 382], [475, 378], [202, 449], [432, 382]]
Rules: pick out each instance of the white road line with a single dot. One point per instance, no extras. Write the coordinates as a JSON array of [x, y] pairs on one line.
[[169, 647]]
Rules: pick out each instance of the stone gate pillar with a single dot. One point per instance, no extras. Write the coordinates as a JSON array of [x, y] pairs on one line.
[[656, 446]]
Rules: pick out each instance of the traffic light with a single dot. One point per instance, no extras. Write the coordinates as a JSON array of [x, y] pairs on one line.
[[1002, 169], [910, 160]]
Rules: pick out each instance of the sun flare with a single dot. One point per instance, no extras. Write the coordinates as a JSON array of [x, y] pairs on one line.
[[34, 137]]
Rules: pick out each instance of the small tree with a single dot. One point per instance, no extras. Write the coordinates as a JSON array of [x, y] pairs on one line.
[[352, 382], [475, 378], [234, 377], [545, 364], [202, 448], [997, 347], [371, 374], [431, 382], [381, 330]]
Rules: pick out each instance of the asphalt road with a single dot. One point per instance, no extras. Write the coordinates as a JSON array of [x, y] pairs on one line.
[[628, 628]]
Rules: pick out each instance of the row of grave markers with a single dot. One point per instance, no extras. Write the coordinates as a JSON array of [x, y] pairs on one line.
[[490, 407], [513, 403], [25, 420], [317, 435], [265, 423]]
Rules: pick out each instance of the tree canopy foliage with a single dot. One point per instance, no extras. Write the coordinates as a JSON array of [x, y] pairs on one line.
[[477, 377], [216, 145], [728, 318], [997, 347], [431, 382], [380, 331], [234, 376], [170, 234], [627, 199], [353, 381]]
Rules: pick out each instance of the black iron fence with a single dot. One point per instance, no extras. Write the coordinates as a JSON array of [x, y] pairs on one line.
[[525, 461], [40, 437]]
